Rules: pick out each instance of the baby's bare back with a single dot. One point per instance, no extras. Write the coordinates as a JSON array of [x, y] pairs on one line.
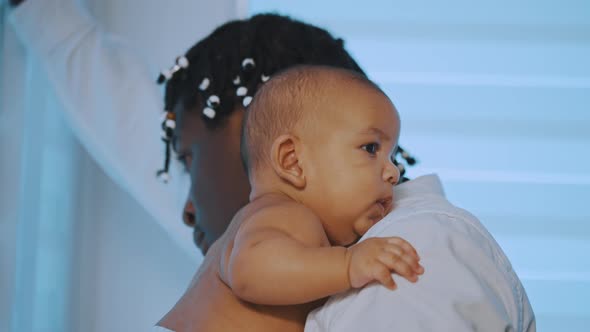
[[214, 307]]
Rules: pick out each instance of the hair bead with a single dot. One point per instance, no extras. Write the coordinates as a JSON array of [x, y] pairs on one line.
[[204, 84], [166, 74], [248, 63], [247, 100], [242, 91], [170, 124], [164, 176], [209, 112], [213, 101], [182, 61]]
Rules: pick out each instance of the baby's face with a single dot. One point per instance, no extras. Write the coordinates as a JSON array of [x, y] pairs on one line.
[[348, 168]]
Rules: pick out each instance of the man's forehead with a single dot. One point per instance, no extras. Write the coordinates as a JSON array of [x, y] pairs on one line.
[[188, 127]]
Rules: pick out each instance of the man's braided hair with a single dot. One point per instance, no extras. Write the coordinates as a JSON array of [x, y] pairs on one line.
[[221, 73]]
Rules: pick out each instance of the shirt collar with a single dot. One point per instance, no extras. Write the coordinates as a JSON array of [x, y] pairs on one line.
[[423, 185]]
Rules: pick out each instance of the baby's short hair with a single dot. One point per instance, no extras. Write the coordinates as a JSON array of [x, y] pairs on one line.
[[283, 102]]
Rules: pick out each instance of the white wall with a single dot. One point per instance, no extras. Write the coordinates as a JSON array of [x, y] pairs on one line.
[[77, 253]]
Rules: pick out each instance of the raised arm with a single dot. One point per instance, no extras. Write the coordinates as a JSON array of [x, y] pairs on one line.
[[109, 99]]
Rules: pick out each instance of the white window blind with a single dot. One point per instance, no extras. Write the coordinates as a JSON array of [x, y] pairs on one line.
[[495, 97]]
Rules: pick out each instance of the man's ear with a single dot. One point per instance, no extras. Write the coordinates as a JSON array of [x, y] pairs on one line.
[[285, 160]]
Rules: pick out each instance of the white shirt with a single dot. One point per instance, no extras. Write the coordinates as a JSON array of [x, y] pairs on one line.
[[111, 102], [468, 283]]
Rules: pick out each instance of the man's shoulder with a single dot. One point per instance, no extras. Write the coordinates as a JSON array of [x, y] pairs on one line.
[[425, 214], [436, 221], [461, 268]]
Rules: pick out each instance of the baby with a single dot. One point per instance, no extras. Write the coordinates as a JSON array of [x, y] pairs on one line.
[[317, 144]]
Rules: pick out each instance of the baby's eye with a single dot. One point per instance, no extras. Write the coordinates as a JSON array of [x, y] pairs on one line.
[[371, 148]]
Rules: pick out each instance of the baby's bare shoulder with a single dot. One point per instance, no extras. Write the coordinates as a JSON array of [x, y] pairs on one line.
[[285, 218]]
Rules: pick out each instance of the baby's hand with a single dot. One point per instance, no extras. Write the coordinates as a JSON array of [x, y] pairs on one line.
[[375, 258]]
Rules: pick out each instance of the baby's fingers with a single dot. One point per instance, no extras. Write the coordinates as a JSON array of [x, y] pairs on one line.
[[403, 244], [400, 266], [411, 259], [383, 275]]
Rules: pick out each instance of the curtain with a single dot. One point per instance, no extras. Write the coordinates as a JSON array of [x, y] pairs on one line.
[[39, 161]]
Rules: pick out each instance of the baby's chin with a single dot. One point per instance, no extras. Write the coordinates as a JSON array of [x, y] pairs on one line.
[[366, 222], [376, 213], [361, 226]]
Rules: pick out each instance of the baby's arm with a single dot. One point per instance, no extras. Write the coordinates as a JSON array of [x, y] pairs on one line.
[[281, 256]]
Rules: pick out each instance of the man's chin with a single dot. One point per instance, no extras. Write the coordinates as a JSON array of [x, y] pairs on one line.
[[201, 243]]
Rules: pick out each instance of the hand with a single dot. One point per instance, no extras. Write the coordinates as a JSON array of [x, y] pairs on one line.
[[375, 258]]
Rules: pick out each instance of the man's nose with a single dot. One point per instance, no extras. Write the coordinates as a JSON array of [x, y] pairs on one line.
[[188, 215], [391, 173]]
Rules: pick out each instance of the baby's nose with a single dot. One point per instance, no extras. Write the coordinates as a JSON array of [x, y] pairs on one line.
[[391, 173]]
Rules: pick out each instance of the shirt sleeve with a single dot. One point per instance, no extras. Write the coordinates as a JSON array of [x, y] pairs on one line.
[[465, 287], [529, 321], [112, 104]]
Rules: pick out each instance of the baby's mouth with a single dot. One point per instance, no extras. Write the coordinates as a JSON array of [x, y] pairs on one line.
[[385, 204]]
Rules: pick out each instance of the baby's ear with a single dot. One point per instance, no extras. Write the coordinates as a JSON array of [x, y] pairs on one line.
[[285, 160]]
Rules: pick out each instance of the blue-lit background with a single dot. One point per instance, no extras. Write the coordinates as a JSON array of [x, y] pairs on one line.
[[494, 96]]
